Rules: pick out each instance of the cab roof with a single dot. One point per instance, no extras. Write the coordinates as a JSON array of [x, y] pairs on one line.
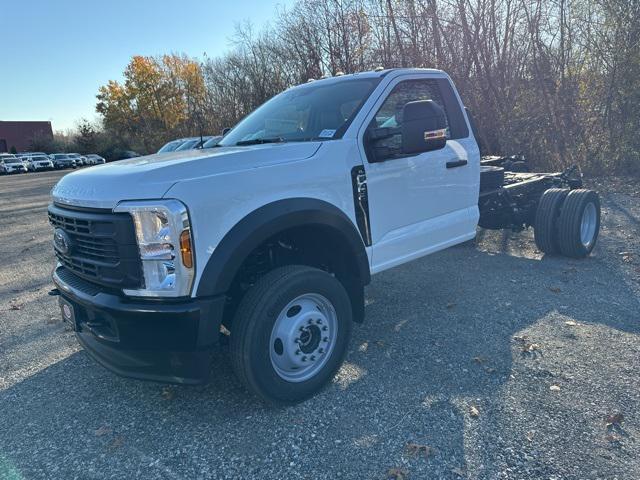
[[371, 74]]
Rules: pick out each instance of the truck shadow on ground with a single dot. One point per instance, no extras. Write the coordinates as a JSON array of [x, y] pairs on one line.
[[438, 338]]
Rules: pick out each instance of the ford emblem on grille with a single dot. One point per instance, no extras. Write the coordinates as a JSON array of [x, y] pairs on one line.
[[62, 241]]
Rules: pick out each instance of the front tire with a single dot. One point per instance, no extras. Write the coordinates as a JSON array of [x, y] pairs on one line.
[[290, 334]]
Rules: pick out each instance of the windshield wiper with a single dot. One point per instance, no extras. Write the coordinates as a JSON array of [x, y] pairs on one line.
[[258, 141]]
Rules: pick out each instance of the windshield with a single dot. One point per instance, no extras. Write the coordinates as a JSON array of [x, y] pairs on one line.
[[39, 158], [60, 156], [212, 142], [171, 146], [188, 145], [309, 112]]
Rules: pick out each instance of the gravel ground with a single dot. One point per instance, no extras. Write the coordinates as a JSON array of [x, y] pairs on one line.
[[485, 361]]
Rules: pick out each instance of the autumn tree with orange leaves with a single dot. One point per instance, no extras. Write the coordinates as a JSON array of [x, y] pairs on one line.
[[160, 98]]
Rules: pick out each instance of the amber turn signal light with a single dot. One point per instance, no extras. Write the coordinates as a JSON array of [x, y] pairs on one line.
[[185, 249]]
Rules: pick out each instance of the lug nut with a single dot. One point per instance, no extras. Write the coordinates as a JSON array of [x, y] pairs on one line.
[[313, 358], [301, 329], [319, 321], [304, 359], [310, 322], [297, 352], [325, 339], [321, 350], [325, 328]]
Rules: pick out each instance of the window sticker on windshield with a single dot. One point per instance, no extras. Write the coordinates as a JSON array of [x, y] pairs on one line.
[[327, 133]]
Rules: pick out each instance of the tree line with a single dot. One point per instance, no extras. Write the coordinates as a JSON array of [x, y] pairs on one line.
[[555, 80]]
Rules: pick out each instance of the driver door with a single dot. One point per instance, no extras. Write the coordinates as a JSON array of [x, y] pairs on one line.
[[422, 202]]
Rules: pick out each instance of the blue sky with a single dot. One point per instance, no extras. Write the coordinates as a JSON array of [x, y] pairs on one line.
[[55, 54]]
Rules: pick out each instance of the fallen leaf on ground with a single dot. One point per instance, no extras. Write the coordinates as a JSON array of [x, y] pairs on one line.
[[473, 411], [103, 430], [16, 306], [458, 471], [555, 289], [554, 388], [571, 323], [415, 449], [116, 442], [168, 393], [480, 360], [626, 256], [612, 438], [615, 419], [397, 474], [530, 347], [530, 435], [379, 343], [489, 369]]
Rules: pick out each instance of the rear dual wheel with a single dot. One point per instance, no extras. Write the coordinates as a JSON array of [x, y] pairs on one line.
[[290, 334], [567, 222], [547, 215], [579, 223]]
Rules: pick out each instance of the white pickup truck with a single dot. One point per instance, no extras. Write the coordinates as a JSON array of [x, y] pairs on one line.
[[267, 241]]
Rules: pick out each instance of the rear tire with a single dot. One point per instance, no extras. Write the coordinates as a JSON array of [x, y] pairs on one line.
[[547, 214], [579, 223], [290, 334]]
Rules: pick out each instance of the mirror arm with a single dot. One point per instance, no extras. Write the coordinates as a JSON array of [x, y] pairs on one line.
[[377, 134]]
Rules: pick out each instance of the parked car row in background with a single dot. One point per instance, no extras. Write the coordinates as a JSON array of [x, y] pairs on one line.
[[190, 143], [24, 162]]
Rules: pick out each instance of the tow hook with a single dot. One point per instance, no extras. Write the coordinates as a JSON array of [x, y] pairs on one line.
[[54, 292]]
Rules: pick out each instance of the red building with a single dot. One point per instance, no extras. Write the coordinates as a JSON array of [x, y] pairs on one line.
[[20, 134]]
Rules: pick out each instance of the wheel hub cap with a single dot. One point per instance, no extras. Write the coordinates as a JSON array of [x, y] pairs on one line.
[[303, 337], [588, 225]]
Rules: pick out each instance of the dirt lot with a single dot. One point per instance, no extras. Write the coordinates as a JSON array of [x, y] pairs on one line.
[[483, 361]]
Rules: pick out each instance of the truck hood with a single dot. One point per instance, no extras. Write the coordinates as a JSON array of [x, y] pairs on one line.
[[150, 177]]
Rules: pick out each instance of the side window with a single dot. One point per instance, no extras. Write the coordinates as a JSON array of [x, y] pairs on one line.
[[390, 113]]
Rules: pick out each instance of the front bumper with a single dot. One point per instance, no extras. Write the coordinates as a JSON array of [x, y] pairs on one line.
[[15, 169], [166, 341]]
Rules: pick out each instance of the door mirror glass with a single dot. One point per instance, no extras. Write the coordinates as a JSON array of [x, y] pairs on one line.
[[424, 127]]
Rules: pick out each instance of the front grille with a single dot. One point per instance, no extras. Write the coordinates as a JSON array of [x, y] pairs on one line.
[[103, 248]]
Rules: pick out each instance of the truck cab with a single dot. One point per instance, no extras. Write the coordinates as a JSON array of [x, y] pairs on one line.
[[266, 241]]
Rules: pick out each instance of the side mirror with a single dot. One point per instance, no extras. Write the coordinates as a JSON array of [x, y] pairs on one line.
[[424, 127], [225, 130]]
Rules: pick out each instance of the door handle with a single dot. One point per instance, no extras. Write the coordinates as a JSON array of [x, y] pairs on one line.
[[456, 163]]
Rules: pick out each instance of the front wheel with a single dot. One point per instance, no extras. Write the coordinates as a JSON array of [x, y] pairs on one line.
[[290, 333]]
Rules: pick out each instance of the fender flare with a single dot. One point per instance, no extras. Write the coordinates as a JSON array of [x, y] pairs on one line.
[[268, 220]]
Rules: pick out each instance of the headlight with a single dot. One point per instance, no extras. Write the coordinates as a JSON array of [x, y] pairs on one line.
[[164, 240]]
